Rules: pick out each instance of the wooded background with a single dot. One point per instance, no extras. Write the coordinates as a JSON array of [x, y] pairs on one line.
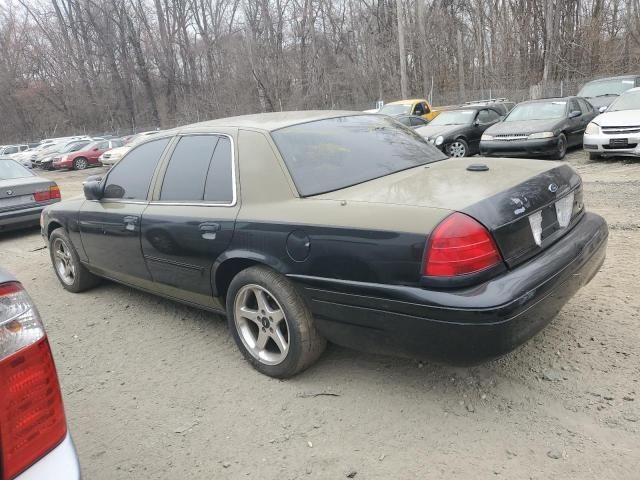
[[75, 66]]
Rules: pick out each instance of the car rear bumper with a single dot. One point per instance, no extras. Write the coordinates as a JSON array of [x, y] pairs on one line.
[[519, 148], [461, 326], [619, 144], [21, 218], [61, 463]]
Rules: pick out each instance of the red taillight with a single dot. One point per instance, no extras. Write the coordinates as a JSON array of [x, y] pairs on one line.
[[45, 195], [32, 420], [459, 246]]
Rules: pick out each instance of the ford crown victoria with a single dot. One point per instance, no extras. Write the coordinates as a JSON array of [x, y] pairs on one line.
[[304, 227]]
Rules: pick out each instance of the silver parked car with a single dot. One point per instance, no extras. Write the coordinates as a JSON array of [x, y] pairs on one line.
[[617, 130], [23, 195], [34, 440]]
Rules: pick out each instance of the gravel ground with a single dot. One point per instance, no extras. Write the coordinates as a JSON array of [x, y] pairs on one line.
[[157, 390]]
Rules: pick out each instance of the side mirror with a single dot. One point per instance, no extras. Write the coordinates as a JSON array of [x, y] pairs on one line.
[[476, 123], [602, 109], [93, 188], [575, 113]]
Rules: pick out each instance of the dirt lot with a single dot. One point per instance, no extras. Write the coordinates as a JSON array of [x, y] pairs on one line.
[[157, 390]]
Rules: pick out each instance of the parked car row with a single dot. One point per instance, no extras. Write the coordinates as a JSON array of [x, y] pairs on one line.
[[76, 153], [544, 128]]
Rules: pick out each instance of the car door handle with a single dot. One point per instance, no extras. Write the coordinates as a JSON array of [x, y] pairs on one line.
[[209, 230], [130, 222]]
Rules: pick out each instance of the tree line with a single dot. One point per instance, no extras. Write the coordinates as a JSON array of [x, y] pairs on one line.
[[71, 66]]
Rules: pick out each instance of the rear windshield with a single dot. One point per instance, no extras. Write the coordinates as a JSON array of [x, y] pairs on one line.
[[10, 169], [335, 153]]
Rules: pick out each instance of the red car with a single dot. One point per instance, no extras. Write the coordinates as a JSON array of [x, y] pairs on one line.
[[86, 157]]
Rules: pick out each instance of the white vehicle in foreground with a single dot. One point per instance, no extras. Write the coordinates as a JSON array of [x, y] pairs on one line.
[[34, 441], [616, 132]]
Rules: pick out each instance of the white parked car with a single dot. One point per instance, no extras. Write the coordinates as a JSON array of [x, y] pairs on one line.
[[34, 438], [617, 130], [110, 157]]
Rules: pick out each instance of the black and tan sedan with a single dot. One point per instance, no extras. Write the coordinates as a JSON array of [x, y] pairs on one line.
[[304, 227]]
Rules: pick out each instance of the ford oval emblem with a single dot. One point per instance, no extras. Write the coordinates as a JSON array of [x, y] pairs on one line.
[[553, 188], [9, 192]]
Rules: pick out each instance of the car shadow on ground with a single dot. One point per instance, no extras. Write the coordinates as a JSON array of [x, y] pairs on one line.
[[13, 234]]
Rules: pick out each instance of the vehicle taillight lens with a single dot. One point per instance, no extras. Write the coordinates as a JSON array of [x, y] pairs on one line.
[[32, 420], [45, 195], [459, 246]]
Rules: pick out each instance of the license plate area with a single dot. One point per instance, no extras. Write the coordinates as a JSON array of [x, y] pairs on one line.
[[550, 219], [10, 202]]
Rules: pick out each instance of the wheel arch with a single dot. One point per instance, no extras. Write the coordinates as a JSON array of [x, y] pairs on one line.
[[231, 263], [53, 224]]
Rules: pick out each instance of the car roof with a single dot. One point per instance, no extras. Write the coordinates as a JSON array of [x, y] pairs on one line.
[[632, 90], [406, 101], [551, 99], [619, 77], [271, 121]]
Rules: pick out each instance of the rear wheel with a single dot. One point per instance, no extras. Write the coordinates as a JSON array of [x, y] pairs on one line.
[[80, 163], [271, 324], [72, 274], [458, 148], [562, 147]]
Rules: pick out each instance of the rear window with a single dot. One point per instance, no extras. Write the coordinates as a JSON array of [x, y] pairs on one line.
[[10, 169], [335, 153]]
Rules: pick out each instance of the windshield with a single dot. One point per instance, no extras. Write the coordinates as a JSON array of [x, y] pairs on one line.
[[603, 88], [10, 150], [454, 117], [10, 169], [335, 153], [626, 101], [396, 109], [537, 111]]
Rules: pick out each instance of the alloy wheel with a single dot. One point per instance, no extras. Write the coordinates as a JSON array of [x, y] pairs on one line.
[[63, 261], [457, 150], [81, 164], [261, 324]]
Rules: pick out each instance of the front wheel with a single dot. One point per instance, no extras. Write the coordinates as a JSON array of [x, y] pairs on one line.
[[458, 148], [271, 324], [562, 147]]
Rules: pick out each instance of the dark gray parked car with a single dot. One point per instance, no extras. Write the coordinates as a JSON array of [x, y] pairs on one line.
[[23, 195]]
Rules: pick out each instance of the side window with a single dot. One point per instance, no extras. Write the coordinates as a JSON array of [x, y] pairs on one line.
[[103, 145], [131, 177], [419, 109], [573, 106], [116, 143], [426, 108], [585, 106], [186, 173], [487, 116], [219, 184]]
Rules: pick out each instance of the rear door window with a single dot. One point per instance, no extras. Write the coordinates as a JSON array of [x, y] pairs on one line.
[[187, 170], [200, 169], [219, 185], [131, 177]]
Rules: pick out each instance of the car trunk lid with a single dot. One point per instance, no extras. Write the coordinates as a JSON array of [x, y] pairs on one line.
[[17, 193], [502, 197]]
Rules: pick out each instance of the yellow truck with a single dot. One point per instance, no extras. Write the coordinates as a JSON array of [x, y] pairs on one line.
[[416, 106]]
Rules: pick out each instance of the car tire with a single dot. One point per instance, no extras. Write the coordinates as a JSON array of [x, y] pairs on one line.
[[72, 274], [276, 334], [562, 147], [80, 163], [457, 149], [594, 156]]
